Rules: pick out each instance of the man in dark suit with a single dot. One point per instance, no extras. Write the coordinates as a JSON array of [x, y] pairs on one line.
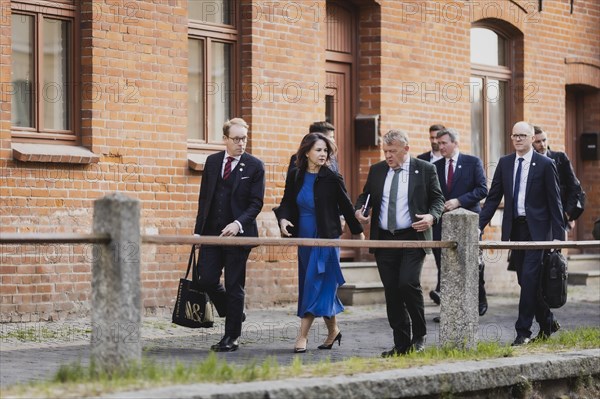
[[406, 200], [570, 188], [463, 183], [528, 182], [434, 154], [231, 197]]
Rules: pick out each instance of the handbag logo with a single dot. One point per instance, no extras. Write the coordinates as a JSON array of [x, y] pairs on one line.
[[192, 311]]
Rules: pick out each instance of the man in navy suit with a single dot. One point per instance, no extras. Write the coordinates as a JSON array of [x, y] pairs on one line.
[[406, 200], [463, 183], [231, 197], [570, 188], [529, 184], [434, 154]]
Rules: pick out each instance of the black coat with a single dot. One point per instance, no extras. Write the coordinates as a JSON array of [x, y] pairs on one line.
[[569, 184], [331, 200], [247, 196]]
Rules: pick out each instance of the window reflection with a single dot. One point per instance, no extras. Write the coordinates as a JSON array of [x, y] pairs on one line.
[[195, 126], [22, 70], [487, 47], [55, 92], [212, 11]]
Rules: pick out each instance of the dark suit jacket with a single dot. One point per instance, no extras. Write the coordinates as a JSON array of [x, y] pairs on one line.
[[331, 199], [569, 185], [468, 183], [247, 196], [425, 195], [426, 156], [542, 199]]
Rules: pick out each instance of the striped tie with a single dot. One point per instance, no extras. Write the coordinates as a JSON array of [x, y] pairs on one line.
[[227, 170]]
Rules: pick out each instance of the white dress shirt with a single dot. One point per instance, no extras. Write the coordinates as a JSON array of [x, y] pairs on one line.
[[523, 182], [403, 219]]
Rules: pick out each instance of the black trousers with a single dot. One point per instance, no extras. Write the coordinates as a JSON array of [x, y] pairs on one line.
[[528, 265], [400, 272], [228, 300]]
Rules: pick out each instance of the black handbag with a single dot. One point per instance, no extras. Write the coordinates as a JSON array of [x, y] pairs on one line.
[[193, 307], [554, 279]]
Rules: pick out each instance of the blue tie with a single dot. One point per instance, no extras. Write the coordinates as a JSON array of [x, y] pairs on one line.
[[517, 187]]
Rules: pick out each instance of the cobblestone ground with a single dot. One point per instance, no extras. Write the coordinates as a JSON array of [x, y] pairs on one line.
[[34, 351]]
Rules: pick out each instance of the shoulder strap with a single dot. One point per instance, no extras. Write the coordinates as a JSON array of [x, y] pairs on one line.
[[192, 261]]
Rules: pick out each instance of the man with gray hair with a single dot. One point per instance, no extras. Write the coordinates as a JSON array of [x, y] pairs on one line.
[[406, 200], [462, 180]]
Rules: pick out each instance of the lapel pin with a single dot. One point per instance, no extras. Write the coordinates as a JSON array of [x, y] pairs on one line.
[[459, 166], [533, 164], [416, 172]]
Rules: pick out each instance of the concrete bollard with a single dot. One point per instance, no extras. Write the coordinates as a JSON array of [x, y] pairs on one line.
[[116, 297], [459, 315]]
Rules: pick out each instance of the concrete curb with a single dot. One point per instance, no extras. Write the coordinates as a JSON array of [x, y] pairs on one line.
[[469, 376]]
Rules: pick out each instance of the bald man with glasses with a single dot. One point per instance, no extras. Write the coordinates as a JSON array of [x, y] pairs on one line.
[[528, 181]]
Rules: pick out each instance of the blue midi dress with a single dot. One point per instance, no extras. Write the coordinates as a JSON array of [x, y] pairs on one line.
[[319, 271]]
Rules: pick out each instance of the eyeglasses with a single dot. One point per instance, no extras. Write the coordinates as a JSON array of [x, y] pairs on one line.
[[238, 140], [519, 136]]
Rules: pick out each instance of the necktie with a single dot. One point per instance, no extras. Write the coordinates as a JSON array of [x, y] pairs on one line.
[[516, 189], [450, 176], [392, 202], [227, 170]]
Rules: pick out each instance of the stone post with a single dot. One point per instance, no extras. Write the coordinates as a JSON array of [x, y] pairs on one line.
[[459, 315], [116, 298]]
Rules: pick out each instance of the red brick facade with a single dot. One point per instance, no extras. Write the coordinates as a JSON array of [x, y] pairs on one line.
[[411, 66]]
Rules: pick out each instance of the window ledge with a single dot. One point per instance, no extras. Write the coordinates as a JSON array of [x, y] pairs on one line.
[[197, 161], [27, 152]]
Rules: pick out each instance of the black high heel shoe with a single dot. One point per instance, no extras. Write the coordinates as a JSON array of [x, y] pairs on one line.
[[337, 338]]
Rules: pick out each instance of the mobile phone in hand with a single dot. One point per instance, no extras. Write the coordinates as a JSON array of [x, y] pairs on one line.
[[366, 206]]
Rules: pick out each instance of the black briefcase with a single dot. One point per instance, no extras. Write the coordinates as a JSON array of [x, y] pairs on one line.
[[554, 279], [193, 308]]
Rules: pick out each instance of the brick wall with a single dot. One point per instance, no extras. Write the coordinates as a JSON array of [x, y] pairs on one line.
[[413, 62]]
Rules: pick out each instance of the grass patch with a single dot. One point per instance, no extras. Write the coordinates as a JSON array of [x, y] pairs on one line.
[[77, 380]]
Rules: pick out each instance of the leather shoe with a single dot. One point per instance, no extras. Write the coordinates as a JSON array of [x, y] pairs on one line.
[[435, 296], [483, 307], [395, 351], [418, 344], [436, 319], [227, 344], [545, 333], [520, 340]]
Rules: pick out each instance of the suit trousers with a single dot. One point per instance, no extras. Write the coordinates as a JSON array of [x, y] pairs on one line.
[[400, 272], [528, 265], [228, 300]]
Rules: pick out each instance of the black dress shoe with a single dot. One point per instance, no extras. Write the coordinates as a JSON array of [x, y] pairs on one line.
[[483, 307], [418, 344], [395, 351], [227, 344], [545, 332], [436, 319], [520, 340], [435, 296]]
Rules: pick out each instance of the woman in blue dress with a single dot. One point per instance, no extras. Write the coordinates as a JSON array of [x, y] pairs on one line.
[[313, 200]]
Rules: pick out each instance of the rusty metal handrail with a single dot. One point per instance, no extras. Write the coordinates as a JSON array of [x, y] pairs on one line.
[[82, 238], [538, 244], [54, 238], [308, 242]]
